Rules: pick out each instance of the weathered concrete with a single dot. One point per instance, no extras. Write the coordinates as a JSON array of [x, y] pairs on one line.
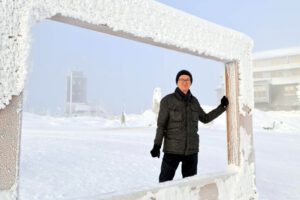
[[192, 188], [10, 129]]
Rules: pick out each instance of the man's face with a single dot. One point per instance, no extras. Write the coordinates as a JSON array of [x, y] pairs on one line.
[[184, 83]]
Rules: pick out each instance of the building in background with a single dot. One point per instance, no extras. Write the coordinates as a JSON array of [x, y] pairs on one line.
[[276, 76], [77, 104], [276, 79], [76, 93]]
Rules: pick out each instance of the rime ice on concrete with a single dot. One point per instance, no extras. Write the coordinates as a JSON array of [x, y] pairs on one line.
[[154, 23], [10, 130]]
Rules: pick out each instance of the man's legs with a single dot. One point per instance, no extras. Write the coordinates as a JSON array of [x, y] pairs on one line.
[[168, 167], [189, 165]]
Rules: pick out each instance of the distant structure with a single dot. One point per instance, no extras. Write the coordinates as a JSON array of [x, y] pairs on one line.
[[276, 79], [76, 104], [276, 75], [76, 93], [156, 100]]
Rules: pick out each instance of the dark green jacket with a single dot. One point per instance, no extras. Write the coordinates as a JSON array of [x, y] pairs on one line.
[[177, 123]]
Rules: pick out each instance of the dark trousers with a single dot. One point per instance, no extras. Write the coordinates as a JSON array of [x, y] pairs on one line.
[[170, 163]]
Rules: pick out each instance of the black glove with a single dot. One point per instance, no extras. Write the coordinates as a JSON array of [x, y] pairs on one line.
[[224, 101], [155, 152]]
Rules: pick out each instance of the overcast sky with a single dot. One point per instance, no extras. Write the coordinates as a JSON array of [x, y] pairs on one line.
[[122, 74]]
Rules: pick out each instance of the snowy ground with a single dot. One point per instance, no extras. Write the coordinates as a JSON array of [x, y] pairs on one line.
[[85, 158]]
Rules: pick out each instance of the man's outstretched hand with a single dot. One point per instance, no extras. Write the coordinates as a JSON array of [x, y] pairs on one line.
[[155, 152], [224, 102]]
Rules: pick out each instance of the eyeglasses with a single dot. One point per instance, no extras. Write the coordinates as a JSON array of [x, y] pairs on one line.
[[184, 80]]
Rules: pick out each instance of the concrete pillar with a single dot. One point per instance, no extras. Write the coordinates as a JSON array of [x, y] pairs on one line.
[[233, 124], [10, 130]]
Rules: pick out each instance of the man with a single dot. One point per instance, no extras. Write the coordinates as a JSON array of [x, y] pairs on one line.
[[177, 125]]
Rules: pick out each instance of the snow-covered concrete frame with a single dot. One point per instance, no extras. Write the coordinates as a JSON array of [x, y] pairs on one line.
[[153, 23]]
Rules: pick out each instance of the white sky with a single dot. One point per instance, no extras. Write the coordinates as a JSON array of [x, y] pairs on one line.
[[122, 73]]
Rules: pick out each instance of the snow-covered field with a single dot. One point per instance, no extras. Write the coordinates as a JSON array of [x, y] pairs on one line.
[[87, 157]]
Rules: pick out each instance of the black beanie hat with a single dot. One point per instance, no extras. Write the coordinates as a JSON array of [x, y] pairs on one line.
[[184, 72]]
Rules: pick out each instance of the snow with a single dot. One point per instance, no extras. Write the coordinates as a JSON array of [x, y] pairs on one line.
[[92, 157], [9, 194]]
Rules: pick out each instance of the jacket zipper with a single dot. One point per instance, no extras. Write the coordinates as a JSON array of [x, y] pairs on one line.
[[186, 127]]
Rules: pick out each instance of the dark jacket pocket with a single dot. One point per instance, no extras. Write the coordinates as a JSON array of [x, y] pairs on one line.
[[175, 115]]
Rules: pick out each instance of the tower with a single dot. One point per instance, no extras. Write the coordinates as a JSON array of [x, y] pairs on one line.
[[76, 91]]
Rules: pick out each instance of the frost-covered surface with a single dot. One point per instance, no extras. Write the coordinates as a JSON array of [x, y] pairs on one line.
[[144, 19], [156, 100], [14, 48], [9, 194], [189, 188], [86, 158]]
